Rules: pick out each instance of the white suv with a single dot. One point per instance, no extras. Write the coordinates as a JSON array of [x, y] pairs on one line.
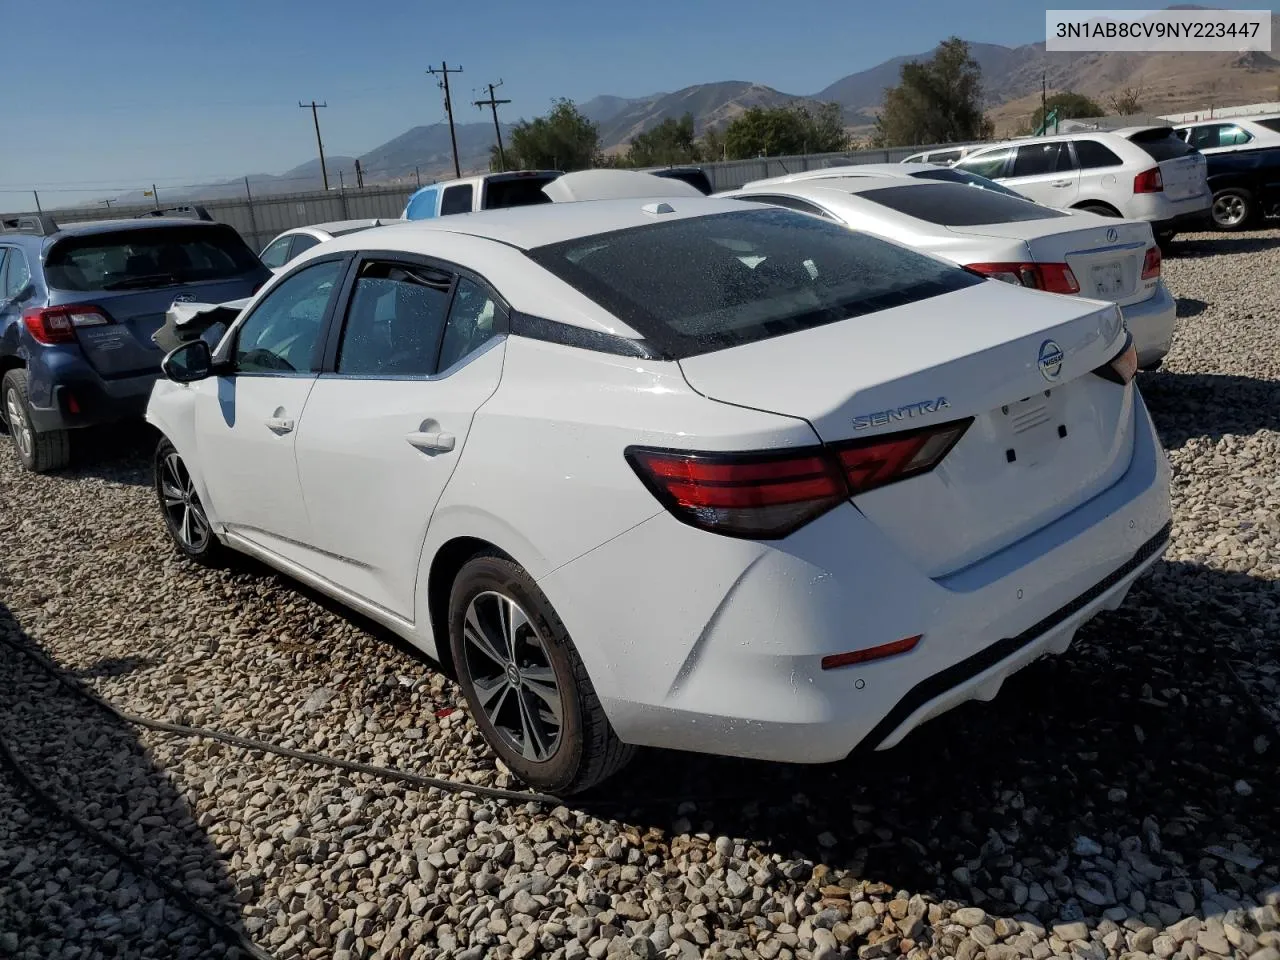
[[1140, 173], [1231, 136]]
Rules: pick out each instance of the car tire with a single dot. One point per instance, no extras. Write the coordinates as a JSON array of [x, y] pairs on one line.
[[37, 452], [184, 517], [1233, 209], [518, 668], [1101, 209]]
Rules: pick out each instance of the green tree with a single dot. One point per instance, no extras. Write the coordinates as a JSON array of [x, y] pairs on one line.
[[1069, 105], [711, 147], [562, 140], [670, 142], [937, 101], [782, 131]]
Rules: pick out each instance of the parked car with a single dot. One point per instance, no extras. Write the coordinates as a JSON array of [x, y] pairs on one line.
[[696, 177], [1140, 173], [78, 305], [942, 155], [1245, 186], [675, 471], [900, 171], [489, 191], [1236, 135], [1006, 237], [295, 242]]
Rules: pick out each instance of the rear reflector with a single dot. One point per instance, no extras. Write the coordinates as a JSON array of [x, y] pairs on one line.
[[770, 495], [1050, 277], [1123, 367], [51, 325], [1148, 181], [870, 653], [1151, 265]]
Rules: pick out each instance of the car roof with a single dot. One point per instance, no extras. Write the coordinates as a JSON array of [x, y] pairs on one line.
[[338, 226], [898, 171], [88, 227], [1128, 132], [1104, 135]]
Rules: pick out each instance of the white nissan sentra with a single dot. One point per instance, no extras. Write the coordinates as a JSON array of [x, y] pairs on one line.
[[682, 472]]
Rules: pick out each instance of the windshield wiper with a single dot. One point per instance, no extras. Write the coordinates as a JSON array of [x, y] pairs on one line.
[[146, 280]]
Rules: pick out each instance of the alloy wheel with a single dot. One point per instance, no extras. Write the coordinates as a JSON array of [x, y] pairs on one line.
[[1229, 210], [182, 507], [515, 684], [18, 425]]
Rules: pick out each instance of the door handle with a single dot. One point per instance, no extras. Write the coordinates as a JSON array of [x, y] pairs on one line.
[[280, 424], [431, 442], [1062, 183]]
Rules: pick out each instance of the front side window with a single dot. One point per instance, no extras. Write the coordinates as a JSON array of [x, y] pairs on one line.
[[394, 321], [456, 200], [281, 334], [473, 320], [277, 253], [990, 164], [16, 273], [698, 284]]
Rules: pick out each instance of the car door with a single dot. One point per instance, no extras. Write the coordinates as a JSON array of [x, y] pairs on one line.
[[419, 351], [247, 414], [1045, 172]]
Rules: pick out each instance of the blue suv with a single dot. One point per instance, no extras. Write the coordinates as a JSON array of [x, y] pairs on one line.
[[78, 307]]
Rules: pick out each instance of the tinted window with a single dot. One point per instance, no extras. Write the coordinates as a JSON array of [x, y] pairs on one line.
[[1271, 123], [791, 203], [1218, 135], [277, 252], [16, 273], [422, 205], [155, 257], [516, 192], [951, 205], [456, 200], [394, 321], [987, 165], [302, 242], [281, 333], [1091, 154], [473, 319], [695, 178], [946, 156], [1161, 144], [953, 175], [1033, 159], [698, 284]]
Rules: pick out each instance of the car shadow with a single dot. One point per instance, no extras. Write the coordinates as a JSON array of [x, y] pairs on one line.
[[1222, 244], [1140, 719], [116, 452], [1189, 307], [62, 889], [1187, 405]]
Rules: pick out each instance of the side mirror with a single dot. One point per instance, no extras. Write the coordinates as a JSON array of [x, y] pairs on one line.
[[188, 363]]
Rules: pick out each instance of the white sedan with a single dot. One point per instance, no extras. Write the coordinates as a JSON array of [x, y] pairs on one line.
[[297, 241], [996, 233], [680, 472]]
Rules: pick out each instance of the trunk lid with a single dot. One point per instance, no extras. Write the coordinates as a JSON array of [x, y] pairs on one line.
[[1184, 177], [977, 352], [1105, 254]]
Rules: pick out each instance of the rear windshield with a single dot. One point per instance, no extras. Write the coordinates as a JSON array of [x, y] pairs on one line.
[[146, 258], [699, 284], [952, 205], [695, 178], [516, 192], [1271, 123], [950, 175], [1162, 144]]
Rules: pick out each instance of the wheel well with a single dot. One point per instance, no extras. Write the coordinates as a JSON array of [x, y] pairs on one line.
[[449, 559], [1096, 203]]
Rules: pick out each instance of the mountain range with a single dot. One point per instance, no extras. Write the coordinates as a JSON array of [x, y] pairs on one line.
[[1011, 76]]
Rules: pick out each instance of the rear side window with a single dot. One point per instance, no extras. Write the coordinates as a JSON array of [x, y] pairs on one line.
[[302, 242], [456, 200], [15, 272], [1271, 123], [986, 165], [1091, 154], [154, 257], [791, 203], [952, 205], [695, 178], [946, 156], [395, 321], [1034, 159], [1162, 144], [474, 318], [516, 192], [699, 284], [277, 252]]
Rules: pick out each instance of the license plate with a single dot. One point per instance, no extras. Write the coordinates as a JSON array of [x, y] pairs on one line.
[[1108, 279]]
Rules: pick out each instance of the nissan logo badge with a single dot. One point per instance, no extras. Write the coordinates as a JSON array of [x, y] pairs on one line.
[[1050, 360]]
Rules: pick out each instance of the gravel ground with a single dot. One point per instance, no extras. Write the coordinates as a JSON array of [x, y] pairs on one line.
[[1119, 801]]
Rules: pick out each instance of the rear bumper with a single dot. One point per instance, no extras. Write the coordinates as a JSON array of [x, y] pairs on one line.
[[704, 643], [1151, 324], [1194, 220], [71, 395]]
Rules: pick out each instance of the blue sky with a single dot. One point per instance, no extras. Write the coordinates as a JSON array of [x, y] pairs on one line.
[[125, 93]]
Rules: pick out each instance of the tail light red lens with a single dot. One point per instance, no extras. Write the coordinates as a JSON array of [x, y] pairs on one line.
[[770, 495], [1151, 265], [1148, 181], [1123, 367], [50, 325], [1051, 277]]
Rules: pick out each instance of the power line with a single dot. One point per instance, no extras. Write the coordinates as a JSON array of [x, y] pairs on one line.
[[444, 72], [492, 104], [319, 143]]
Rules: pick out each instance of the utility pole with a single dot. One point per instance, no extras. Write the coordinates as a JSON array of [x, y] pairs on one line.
[[444, 72], [1044, 103], [155, 196], [359, 174], [319, 143], [36, 194], [417, 175], [492, 104]]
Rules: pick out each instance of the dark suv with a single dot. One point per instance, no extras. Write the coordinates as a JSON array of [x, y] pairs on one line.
[[78, 306]]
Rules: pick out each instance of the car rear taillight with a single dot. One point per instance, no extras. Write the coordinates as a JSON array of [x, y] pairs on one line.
[[1051, 277], [1148, 181], [50, 325], [770, 495], [1151, 265], [1123, 367]]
